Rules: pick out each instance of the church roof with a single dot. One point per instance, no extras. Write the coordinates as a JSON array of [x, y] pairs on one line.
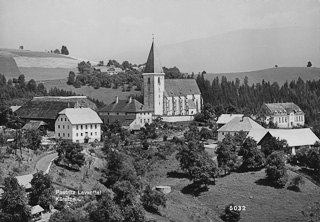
[[153, 64], [125, 106], [181, 87]]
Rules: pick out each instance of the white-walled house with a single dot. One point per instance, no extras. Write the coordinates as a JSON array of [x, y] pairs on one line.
[[284, 115], [78, 124]]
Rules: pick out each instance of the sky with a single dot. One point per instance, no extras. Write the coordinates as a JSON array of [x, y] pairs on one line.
[[99, 29]]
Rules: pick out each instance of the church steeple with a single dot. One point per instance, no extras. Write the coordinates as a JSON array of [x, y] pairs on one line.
[[153, 64]]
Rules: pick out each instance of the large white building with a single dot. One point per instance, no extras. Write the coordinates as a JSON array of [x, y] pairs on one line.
[[78, 124], [284, 115], [172, 99]]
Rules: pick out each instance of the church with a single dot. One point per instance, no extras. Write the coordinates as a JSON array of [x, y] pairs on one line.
[[174, 100]]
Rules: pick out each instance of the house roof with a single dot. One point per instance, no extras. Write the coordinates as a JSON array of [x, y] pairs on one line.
[[127, 122], [295, 137], [125, 106], [14, 108], [278, 108], [48, 107], [36, 209], [257, 134], [153, 64], [238, 123], [181, 87], [81, 115], [33, 125], [25, 180], [225, 118]]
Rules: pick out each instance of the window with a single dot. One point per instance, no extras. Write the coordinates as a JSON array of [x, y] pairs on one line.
[[63, 135], [68, 126], [58, 126], [81, 126], [91, 126], [159, 80], [77, 134], [62, 126], [117, 113], [96, 133], [140, 120], [148, 80], [95, 126], [81, 134], [65, 119], [68, 135], [107, 120], [86, 126], [222, 133], [58, 134], [61, 119], [77, 127], [91, 134]]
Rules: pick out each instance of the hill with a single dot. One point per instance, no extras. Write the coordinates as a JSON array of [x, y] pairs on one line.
[[280, 75], [36, 65], [239, 51]]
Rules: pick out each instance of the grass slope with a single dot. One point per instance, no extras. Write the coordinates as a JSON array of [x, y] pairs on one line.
[[280, 74], [263, 203], [107, 95], [40, 74], [8, 67]]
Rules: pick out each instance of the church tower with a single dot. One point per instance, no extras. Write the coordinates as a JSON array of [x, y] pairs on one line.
[[153, 83]]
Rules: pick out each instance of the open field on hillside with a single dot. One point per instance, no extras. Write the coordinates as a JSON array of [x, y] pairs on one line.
[[16, 52], [280, 74], [262, 202], [107, 95], [8, 67], [40, 74]]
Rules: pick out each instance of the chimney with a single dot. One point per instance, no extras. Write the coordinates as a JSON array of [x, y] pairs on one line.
[[117, 99], [130, 99]]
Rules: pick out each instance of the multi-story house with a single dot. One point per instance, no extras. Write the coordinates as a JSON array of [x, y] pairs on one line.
[[81, 125], [284, 115]]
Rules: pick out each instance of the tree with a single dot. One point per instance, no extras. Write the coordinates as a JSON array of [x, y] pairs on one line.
[[64, 50], [199, 166], [33, 138], [152, 199], [101, 63], [226, 153], [71, 78], [42, 190], [253, 158], [276, 170], [231, 214], [70, 153], [21, 47], [309, 64], [172, 73], [13, 204], [56, 51], [273, 144]]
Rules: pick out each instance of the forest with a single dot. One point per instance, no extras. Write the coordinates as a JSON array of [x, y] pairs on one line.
[[236, 97]]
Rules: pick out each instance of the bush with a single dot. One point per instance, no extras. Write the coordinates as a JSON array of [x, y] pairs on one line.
[[276, 170], [165, 137], [152, 199], [296, 182], [230, 214]]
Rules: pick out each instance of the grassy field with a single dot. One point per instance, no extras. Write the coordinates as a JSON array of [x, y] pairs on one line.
[[107, 95], [280, 74], [17, 52], [262, 202], [41, 74]]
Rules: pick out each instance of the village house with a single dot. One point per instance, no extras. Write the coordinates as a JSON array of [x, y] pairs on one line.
[[236, 125], [225, 118], [80, 125], [130, 113], [295, 138], [47, 108], [284, 115]]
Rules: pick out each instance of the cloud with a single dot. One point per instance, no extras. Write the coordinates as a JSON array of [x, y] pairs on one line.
[[130, 20]]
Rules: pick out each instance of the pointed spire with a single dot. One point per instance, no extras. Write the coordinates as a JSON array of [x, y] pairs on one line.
[[153, 64]]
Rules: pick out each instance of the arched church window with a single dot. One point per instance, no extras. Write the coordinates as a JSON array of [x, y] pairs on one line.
[[159, 80], [149, 80]]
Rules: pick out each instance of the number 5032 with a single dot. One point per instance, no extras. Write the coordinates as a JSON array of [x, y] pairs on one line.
[[238, 208]]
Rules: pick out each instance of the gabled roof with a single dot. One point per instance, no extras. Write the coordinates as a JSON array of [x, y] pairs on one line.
[[295, 137], [225, 118], [36, 209], [153, 64], [285, 108], [48, 107], [14, 108], [257, 134], [181, 87], [238, 123], [33, 125], [125, 106], [81, 115], [25, 180]]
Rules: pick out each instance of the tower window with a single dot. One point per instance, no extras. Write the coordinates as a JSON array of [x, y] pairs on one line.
[[149, 80], [159, 80]]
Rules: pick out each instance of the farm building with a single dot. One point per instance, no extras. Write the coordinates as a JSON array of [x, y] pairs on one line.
[[225, 118], [130, 113], [47, 108], [81, 125], [284, 115], [236, 125]]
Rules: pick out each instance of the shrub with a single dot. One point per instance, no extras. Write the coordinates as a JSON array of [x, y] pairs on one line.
[[276, 170], [296, 182], [152, 199], [165, 137]]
